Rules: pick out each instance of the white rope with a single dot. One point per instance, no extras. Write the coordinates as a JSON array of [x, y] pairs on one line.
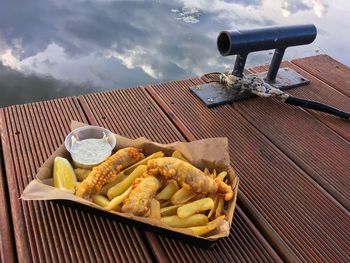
[[254, 84]]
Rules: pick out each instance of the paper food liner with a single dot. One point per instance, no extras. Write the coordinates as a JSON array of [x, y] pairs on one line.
[[211, 153]]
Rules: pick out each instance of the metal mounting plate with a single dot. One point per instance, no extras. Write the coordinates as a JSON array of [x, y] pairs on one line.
[[214, 94], [287, 78]]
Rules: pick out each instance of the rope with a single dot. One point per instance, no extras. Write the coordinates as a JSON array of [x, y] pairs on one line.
[[256, 85]]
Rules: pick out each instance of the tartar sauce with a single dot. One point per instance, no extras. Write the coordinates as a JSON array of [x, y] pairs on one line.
[[90, 151]]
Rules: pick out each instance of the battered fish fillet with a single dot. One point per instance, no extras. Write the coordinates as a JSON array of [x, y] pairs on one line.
[[139, 200], [162, 169], [108, 170], [185, 173]]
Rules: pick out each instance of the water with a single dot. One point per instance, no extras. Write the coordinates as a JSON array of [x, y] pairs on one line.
[[51, 49]]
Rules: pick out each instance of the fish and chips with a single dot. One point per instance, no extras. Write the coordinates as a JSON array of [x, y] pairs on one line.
[[168, 189]]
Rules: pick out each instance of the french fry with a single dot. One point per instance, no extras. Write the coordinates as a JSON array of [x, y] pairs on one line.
[[202, 230], [178, 155], [100, 200], [169, 210], [195, 207], [168, 191], [81, 173], [165, 203], [219, 207], [155, 209], [131, 168], [211, 212], [120, 177], [198, 196], [182, 196], [214, 173], [193, 220], [120, 188], [206, 172], [222, 175], [116, 201], [234, 182], [225, 188]]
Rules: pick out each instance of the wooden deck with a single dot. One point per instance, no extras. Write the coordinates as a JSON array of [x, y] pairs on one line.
[[294, 167]]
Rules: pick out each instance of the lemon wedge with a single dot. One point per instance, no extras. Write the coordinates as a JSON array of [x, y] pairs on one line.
[[63, 175]]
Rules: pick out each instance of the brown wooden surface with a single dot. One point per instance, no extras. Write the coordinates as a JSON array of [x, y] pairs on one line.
[[328, 70], [7, 252], [293, 164], [312, 145], [276, 187], [319, 91], [245, 242]]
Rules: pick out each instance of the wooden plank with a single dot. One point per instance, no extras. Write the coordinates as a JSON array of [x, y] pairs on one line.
[[319, 91], [308, 220], [121, 112], [328, 70], [49, 231], [308, 142], [7, 252], [22, 252]]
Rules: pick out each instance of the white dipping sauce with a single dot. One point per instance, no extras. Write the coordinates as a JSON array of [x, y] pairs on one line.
[[90, 151]]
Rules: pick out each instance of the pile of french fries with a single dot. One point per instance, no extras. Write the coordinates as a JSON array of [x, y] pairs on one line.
[[174, 206]]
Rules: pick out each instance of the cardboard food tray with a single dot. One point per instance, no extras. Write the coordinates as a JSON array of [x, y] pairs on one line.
[[208, 153]]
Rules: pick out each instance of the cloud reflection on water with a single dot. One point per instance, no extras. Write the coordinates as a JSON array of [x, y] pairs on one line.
[[100, 45]]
